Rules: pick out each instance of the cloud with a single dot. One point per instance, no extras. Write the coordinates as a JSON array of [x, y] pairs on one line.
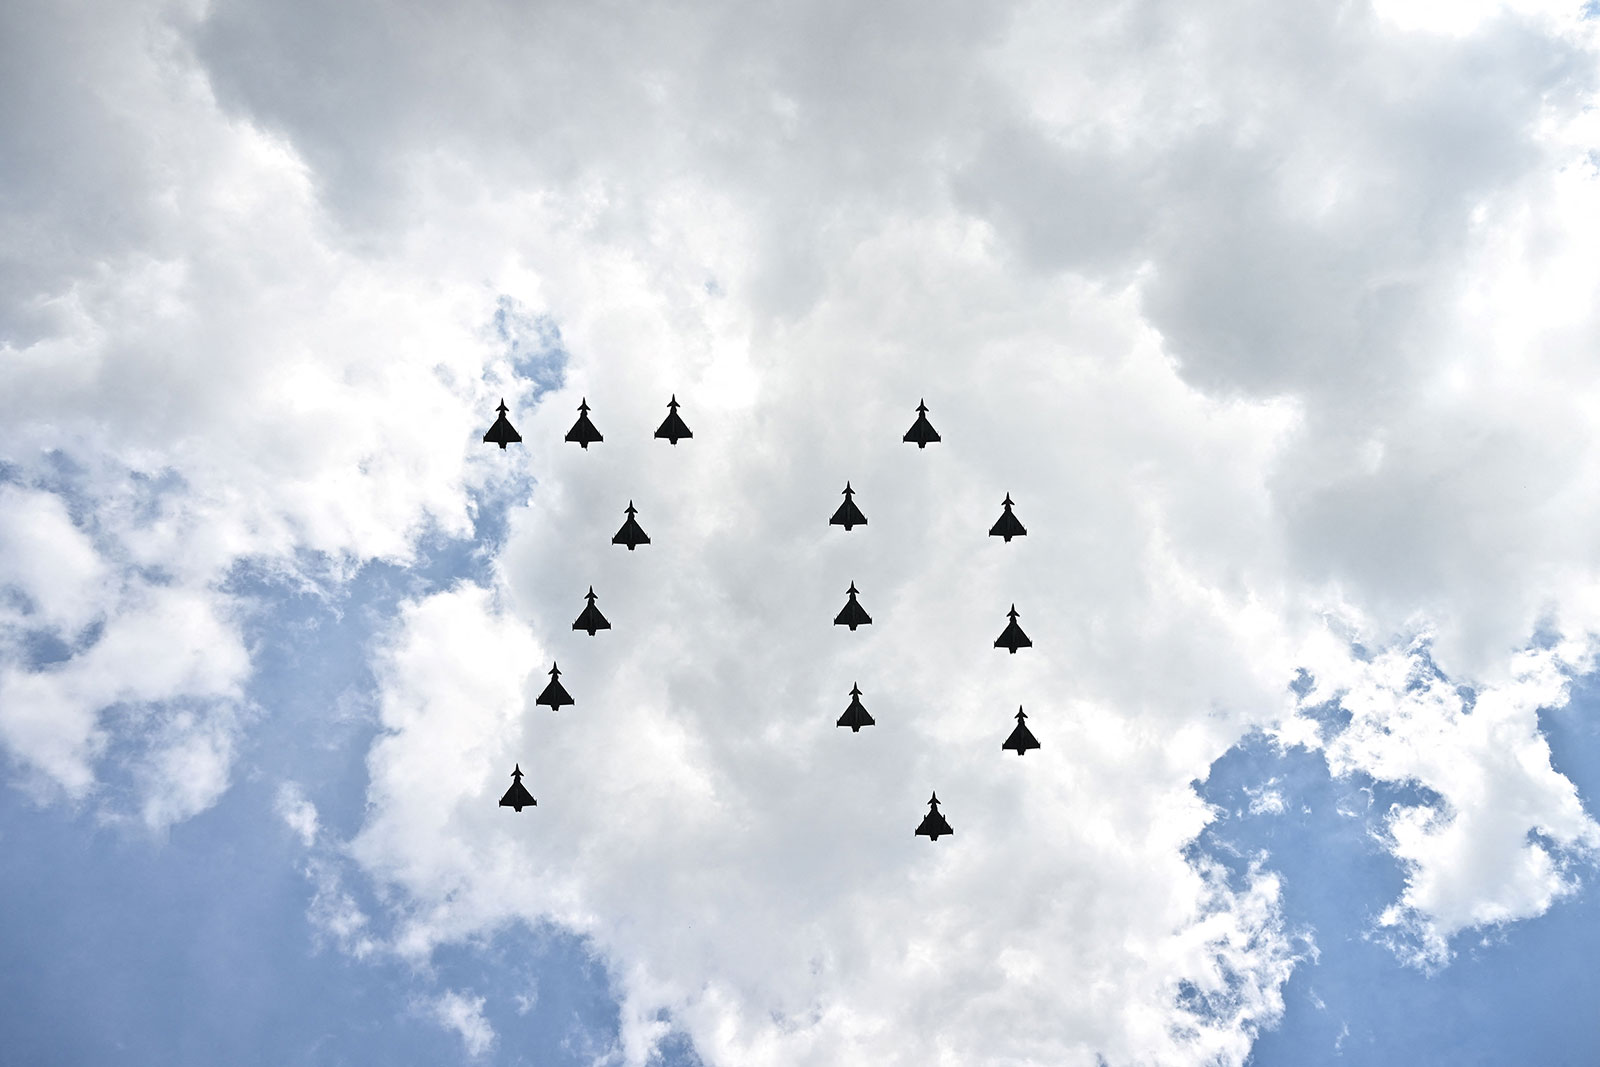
[[195, 375], [63, 583], [463, 1013], [1436, 17], [1266, 800], [187, 769], [166, 644], [1271, 320], [804, 898], [298, 813], [334, 913], [1499, 830], [1165, 399]]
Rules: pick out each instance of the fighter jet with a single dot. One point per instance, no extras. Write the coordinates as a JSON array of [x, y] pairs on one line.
[[853, 614], [591, 619], [673, 427], [631, 534], [922, 431], [1012, 637], [501, 433], [583, 431], [848, 514], [517, 797], [1021, 738], [1008, 526], [933, 823], [555, 694], [855, 716]]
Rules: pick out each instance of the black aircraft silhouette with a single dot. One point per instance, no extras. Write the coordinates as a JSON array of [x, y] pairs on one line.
[[933, 823], [673, 427], [631, 533], [922, 431], [1008, 526], [583, 431], [1012, 637], [517, 797], [1021, 738], [848, 514], [501, 432], [591, 619], [855, 716], [853, 614], [555, 694]]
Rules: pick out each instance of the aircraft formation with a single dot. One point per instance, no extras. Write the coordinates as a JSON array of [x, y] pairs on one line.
[[631, 535]]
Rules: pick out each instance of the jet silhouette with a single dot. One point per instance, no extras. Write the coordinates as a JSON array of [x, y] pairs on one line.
[[591, 619], [672, 427], [555, 694], [855, 716], [1008, 526], [848, 514], [517, 797], [922, 431], [853, 614], [583, 431], [631, 533], [933, 823], [501, 433], [1021, 738], [1012, 637]]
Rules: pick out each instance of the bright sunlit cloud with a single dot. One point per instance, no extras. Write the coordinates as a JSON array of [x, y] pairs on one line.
[[1274, 321]]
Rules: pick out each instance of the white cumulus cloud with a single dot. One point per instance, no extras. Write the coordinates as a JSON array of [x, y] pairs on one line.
[[1273, 319], [1499, 828]]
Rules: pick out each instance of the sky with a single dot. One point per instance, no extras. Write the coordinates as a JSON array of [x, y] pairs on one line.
[[1276, 321]]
